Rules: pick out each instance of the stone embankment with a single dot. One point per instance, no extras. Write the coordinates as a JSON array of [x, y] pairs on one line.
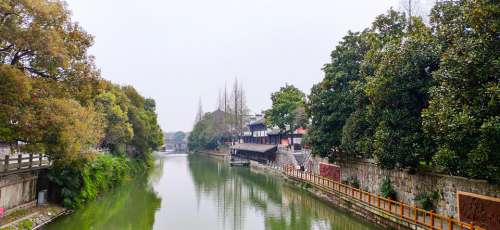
[[408, 185]]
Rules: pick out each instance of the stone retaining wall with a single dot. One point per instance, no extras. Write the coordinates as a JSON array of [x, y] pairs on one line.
[[18, 190], [409, 185]]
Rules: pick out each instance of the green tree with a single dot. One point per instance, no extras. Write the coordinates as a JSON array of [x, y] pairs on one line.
[[179, 136], [359, 128], [463, 114], [207, 133], [397, 93], [287, 109], [118, 130], [331, 101], [141, 113]]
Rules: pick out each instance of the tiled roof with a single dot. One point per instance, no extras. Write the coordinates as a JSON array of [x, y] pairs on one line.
[[260, 148], [258, 122]]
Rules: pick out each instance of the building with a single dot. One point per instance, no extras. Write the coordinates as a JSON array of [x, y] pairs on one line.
[[263, 153], [175, 141], [260, 143]]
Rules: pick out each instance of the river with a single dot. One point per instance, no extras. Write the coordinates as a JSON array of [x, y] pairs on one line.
[[201, 193]]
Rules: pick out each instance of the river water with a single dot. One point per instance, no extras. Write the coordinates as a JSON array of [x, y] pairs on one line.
[[201, 193]]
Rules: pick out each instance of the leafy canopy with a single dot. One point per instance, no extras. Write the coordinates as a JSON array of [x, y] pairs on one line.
[[287, 107]]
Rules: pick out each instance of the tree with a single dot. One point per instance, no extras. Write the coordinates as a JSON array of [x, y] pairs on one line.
[[147, 133], [14, 97], [67, 131], [39, 38], [285, 113], [179, 136], [206, 134], [397, 93], [199, 113], [331, 101], [118, 129], [236, 109], [463, 115]]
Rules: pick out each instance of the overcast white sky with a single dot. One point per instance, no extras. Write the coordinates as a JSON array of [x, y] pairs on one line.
[[176, 51]]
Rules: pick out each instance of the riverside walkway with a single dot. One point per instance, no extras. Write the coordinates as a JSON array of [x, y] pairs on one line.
[[405, 214]]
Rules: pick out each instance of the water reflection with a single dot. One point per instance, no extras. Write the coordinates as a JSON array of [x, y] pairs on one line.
[[241, 194], [198, 192], [130, 206]]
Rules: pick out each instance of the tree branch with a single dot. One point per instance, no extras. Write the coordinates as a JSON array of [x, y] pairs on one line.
[[6, 48], [37, 72]]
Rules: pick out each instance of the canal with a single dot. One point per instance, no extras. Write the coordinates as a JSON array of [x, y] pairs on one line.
[[201, 193]]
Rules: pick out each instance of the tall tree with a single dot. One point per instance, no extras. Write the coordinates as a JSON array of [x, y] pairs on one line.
[[118, 129], [14, 99], [397, 93], [359, 128], [285, 111], [199, 113], [331, 101], [66, 130], [238, 108], [38, 37], [463, 115]]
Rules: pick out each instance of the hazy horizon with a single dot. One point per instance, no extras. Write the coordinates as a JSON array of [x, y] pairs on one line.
[[178, 51]]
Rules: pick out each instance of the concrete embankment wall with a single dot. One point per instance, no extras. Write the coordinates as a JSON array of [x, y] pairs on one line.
[[18, 190], [409, 185]]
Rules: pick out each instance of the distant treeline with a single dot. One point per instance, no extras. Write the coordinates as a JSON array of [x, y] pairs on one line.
[[226, 123], [412, 95]]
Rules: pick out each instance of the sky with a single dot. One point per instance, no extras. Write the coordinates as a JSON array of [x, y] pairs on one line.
[[177, 51]]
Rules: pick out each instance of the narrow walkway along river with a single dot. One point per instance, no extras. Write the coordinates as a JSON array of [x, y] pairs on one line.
[[201, 193]]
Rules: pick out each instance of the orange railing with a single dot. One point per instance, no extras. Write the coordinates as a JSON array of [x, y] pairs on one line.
[[404, 212]]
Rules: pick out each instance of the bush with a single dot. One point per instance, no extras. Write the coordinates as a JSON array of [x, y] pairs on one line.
[[426, 200], [84, 181], [355, 182], [25, 225], [386, 189]]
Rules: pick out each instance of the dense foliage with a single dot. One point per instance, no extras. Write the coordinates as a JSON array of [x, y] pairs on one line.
[[52, 98], [286, 110], [463, 117], [208, 133], [53, 101], [79, 185], [406, 94]]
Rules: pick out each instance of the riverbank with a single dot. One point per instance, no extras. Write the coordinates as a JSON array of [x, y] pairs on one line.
[[186, 187], [352, 208], [347, 205], [32, 218]]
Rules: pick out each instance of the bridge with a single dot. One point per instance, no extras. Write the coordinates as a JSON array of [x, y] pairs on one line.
[[23, 163], [19, 180]]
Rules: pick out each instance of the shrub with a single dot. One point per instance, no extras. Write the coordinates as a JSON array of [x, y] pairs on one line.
[[426, 200], [82, 182], [386, 189], [355, 182], [26, 225]]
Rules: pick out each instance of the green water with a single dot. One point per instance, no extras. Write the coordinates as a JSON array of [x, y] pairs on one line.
[[201, 193]]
